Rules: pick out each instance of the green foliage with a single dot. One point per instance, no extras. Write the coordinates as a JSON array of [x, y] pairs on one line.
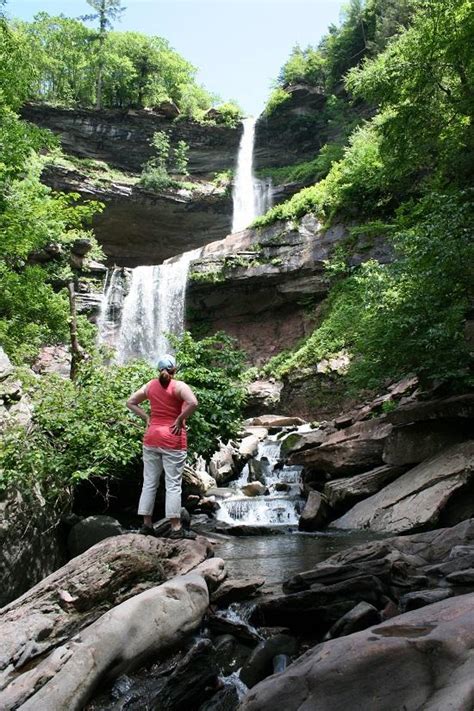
[[309, 171], [32, 216], [181, 158], [278, 97], [407, 316], [135, 70], [82, 429], [212, 367], [230, 114], [156, 173]]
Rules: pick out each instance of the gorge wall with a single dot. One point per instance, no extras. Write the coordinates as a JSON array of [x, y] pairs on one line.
[[141, 226]]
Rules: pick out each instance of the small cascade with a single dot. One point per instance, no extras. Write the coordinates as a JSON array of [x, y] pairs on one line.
[[251, 197], [115, 290], [282, 503], [143, 305]]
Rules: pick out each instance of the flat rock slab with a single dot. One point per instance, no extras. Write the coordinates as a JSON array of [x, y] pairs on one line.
[[349, 451], [415, 500], [423, 659], [275, 421], [343, 493], [234, 590]]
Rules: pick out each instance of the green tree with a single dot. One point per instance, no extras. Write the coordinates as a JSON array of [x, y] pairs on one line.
[[181, 158], [107, 11]]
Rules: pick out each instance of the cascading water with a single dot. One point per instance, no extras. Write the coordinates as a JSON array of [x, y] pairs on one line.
[[137, 324], [251, 196], [282, 503]]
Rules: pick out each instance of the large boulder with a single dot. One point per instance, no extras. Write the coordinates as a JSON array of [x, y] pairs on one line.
[[91, 530], [197, 481], [262, 396], [422, 659], [315, 513], [348, 451], [417, 499], [71, 598], [343, 493]]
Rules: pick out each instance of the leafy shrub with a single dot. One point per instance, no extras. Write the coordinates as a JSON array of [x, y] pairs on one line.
[[407, 316], [213, 368], [82, 429]]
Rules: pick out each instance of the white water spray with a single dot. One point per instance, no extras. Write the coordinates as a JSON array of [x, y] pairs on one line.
[[251, 196], [154, 306]]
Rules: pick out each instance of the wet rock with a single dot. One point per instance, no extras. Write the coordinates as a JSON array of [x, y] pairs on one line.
[[417, 498], [248, 447], [322, 604], [219, 624], [256, 472], [394, 660], [255, 488], [260, 663], [315, 514], [221, 492], [461, 577], [193, 680], [225, 463], [262, 396], [227, 699], [90, 531], [209, 505], [359, 618], [197, 481], [275, 421], [235, 590], [341, 494], [249, 530], [296, 441]]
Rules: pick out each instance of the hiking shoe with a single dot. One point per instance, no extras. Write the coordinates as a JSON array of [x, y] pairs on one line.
[[181, 534], [147, 531]]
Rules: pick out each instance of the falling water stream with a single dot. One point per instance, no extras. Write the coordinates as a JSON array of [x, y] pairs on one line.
[[142, 306], [251, 196]]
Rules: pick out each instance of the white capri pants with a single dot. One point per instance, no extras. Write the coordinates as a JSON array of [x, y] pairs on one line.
[[155, 459]]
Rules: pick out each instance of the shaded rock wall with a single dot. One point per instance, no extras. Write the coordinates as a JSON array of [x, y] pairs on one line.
[[263, 286], [141, 227]]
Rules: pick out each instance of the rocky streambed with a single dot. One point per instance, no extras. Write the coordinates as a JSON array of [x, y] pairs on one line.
[[296, 591]]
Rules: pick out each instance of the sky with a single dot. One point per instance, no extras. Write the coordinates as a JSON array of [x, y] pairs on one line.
[[238, 46]]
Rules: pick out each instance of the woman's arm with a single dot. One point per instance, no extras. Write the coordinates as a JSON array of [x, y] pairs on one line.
[[134, 400], [190, 404]]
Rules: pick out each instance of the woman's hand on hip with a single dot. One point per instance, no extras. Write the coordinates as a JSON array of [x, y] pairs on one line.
[[177, 426]]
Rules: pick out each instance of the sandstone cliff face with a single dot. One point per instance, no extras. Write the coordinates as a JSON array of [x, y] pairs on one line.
[[122, 138], [141, 227], [263, 286]]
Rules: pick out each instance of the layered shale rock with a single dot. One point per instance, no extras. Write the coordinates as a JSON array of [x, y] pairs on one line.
[[122, 138]]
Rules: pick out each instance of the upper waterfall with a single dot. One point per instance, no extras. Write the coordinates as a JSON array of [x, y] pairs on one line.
[[251, 196]]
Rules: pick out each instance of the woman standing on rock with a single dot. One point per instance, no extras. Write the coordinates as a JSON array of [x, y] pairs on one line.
[[164, 442]]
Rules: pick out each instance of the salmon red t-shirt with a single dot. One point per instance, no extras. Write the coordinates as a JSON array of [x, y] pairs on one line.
[[166, 406]]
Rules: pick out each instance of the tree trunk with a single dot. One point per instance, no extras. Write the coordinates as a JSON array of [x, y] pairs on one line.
[[77, 352]]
